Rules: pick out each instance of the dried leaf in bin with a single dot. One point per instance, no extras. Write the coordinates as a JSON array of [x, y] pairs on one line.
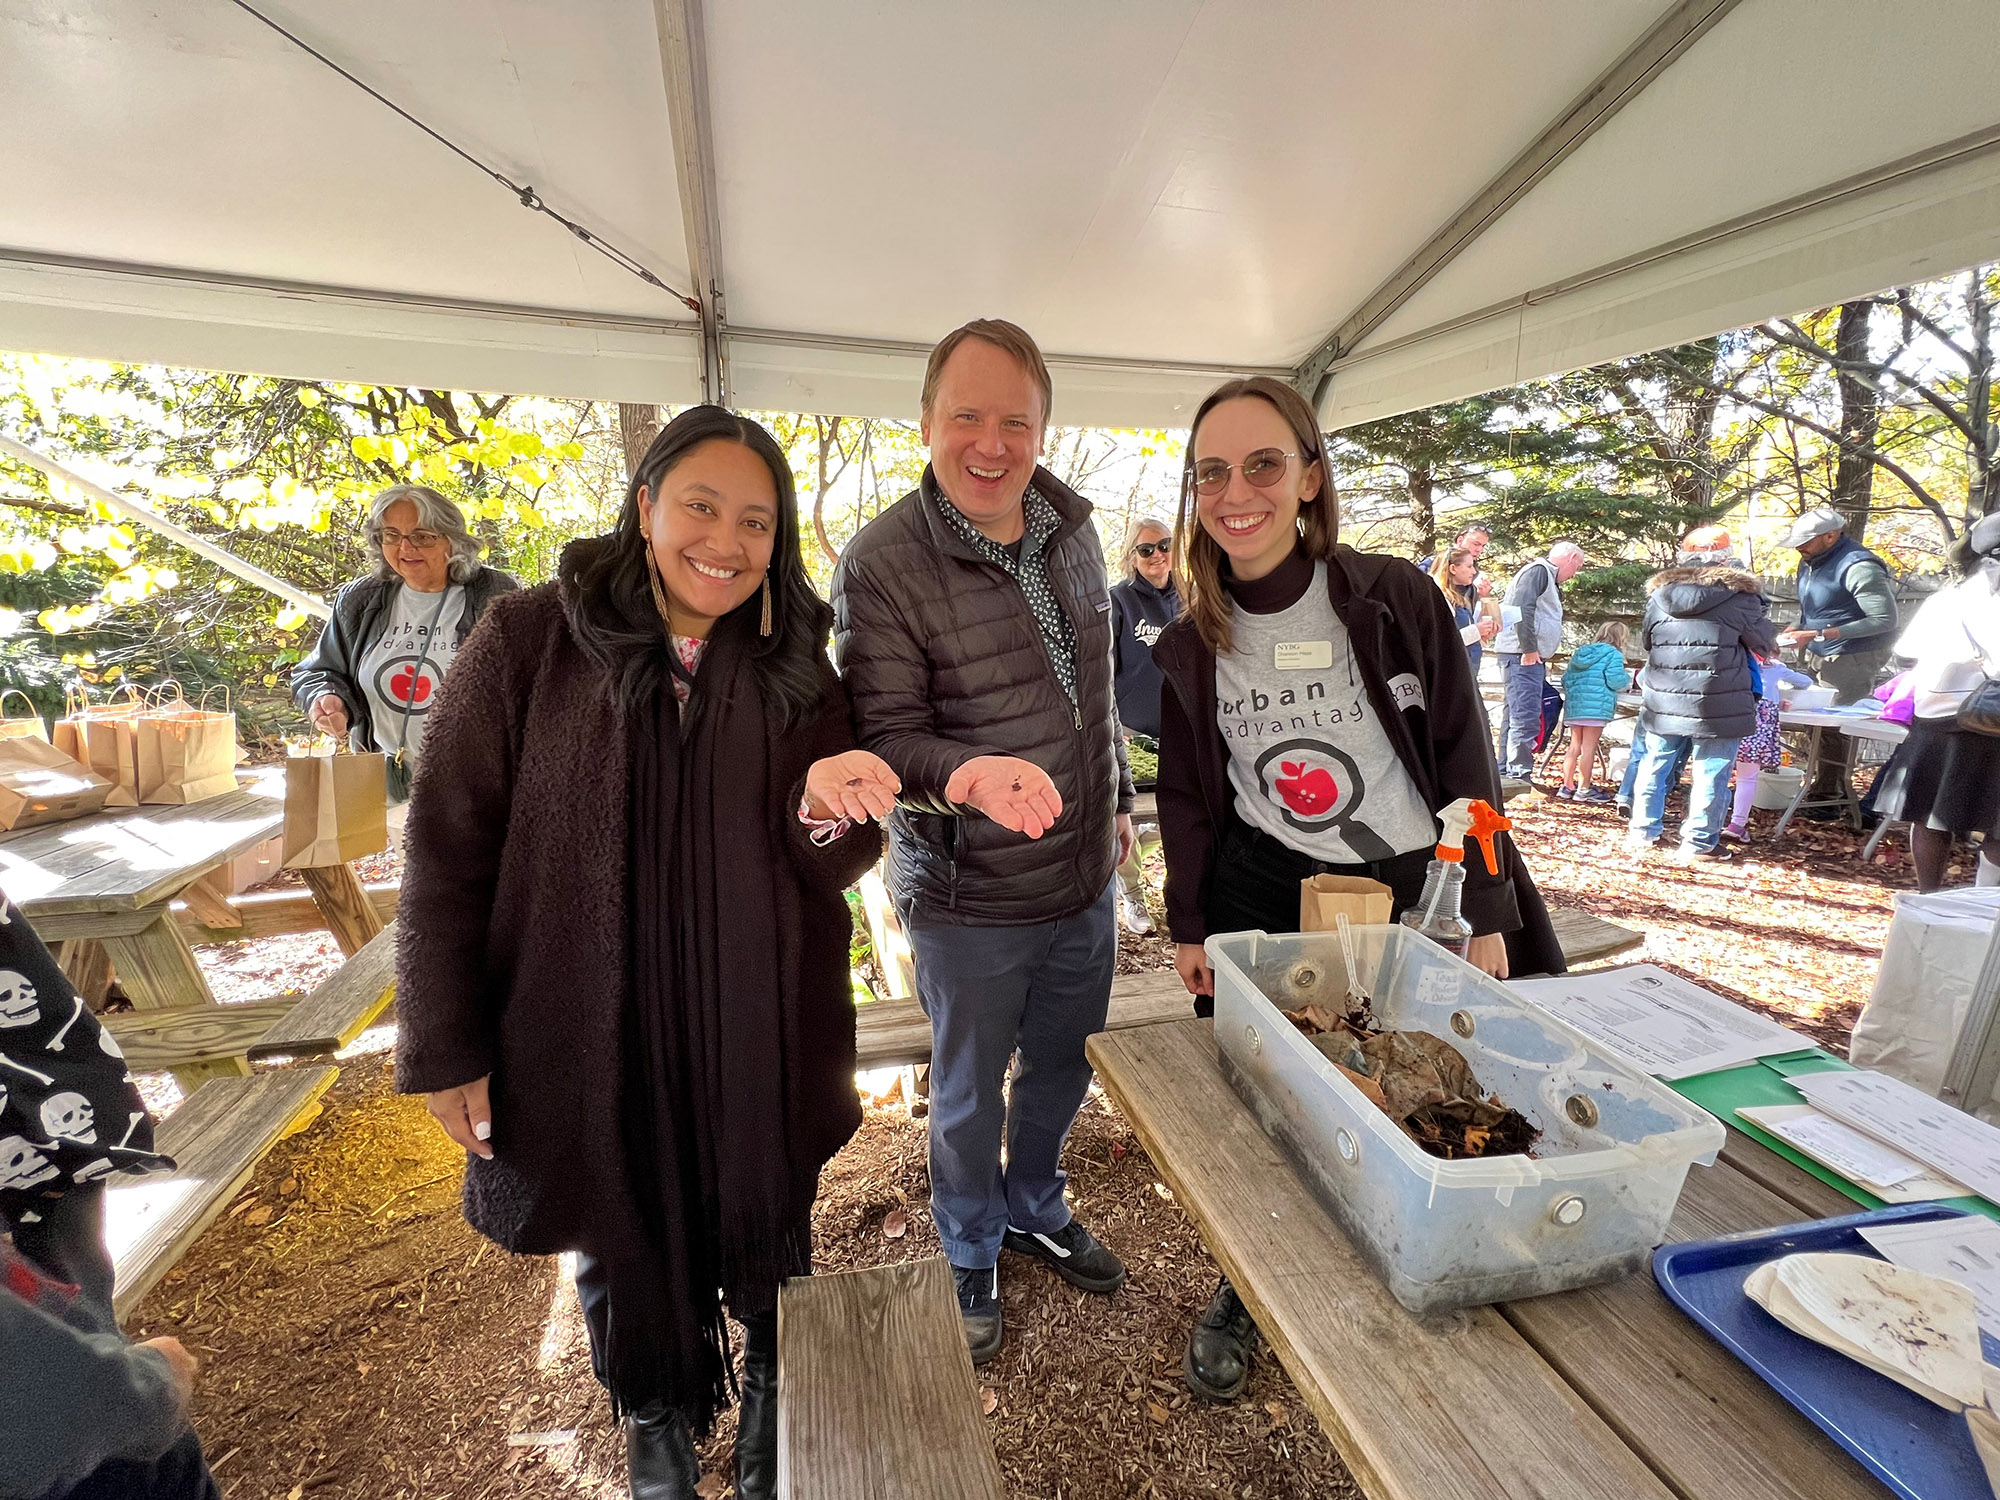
[[895, 1223]]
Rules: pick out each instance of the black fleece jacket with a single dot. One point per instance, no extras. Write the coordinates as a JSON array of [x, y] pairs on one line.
[[1400, 627]]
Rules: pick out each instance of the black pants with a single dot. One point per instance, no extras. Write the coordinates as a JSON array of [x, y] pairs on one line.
[[593, 1294], [1256, 881], [181, 1473]]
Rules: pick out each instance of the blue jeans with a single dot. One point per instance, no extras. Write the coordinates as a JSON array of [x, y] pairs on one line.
[[1520, 713], [1708, 802], [1000, 996], [1638, 755]]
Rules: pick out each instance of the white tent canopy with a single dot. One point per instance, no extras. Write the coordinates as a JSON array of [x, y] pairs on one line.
[[1392, 204]]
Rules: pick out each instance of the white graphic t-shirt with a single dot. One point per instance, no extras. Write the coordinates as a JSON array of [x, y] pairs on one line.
[[389, 674], [1308, 758]]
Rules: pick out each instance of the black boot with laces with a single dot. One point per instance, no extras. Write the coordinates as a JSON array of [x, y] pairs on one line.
[[1219, 1348]]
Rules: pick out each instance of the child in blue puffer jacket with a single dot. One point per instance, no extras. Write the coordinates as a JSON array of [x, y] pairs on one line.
[[1596, 676]]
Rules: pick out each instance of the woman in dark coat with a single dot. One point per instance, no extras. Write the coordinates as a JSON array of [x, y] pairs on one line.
[[1319, 712], [622, 961]]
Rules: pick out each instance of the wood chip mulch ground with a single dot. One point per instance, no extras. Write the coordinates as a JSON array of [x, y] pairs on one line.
[[360, 1341]]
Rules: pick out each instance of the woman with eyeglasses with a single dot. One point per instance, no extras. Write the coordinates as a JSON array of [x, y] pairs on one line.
[[1145, 602], [1319, 712], [375, 672]]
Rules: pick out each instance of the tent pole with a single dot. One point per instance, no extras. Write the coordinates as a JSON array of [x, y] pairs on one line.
[[229, 562]]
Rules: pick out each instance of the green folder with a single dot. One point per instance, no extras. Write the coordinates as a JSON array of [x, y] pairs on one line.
[[1763, 1083]]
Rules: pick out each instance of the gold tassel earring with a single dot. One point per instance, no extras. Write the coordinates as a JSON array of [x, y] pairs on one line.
[[659, 594], [764, 626]]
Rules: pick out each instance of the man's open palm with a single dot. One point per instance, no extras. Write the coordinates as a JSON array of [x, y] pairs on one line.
[[1017, 794]]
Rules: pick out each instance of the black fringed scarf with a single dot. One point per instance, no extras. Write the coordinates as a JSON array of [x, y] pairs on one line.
[[706, 1106]]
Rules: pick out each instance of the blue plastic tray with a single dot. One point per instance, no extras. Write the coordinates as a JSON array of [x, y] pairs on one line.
[[1919, 1450]]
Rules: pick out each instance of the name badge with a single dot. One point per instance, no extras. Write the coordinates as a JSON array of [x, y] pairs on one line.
[[1304, 656]]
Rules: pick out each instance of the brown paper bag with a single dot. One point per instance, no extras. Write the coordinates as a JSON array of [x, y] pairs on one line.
[[336, 809], [25, 726], [39, 784], [1322, 899], [184, 752], [102, 736]]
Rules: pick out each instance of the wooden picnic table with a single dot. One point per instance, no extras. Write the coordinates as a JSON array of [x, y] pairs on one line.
[[1607, 1390], [111, 879]]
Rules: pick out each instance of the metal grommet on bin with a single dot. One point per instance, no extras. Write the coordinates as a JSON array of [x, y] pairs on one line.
[[1582, 1109], [1303, 978], [1349, 1148], [1568, 1211], [1256, 1041], [1461, 1022]]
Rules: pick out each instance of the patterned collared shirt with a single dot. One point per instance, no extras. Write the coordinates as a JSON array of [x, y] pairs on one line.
[[1031, 571]]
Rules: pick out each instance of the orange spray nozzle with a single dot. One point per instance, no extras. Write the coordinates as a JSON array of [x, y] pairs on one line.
[[1469, 818], [1486, 822]]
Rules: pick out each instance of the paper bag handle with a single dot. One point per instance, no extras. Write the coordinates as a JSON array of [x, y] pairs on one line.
[[32, 713]]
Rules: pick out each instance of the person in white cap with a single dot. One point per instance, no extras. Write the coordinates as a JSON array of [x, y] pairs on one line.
[[1847, 605], [1847, 621]]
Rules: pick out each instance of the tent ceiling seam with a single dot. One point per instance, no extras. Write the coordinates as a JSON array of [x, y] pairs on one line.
[[1664, 42], [684, 67]]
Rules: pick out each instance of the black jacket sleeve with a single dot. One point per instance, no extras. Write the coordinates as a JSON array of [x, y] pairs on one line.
[[1187, 833]]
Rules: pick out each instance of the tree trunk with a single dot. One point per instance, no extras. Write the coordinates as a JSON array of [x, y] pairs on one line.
[[1860, 416], [827, 431], [1982, 490], [1423, 518], [638, 425]]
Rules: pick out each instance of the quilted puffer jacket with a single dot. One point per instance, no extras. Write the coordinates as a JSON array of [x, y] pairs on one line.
[[1701, 625], [944, 662]]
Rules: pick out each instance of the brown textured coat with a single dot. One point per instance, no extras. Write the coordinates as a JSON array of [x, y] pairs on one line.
[[945, 662], [511, 942]]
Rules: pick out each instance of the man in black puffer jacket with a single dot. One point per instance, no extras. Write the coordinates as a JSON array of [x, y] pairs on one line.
[[973, 629], [1702, 623]]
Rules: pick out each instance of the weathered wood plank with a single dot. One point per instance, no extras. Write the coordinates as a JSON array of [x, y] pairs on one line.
[[210, 906], [154, 1041], [87, 966], [76, 926], [350, 916], [1588, 939], [1691, 1409], [876, 1395], [217, 1136], [340, 1007], [897, 1033], [157, 970], [885, 933], [135, 856], [1457, 1407], [263, 914]]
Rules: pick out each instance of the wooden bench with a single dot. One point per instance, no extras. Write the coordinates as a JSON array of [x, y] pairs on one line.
[[261, 914], [1588, 939], [340, 1007], [897, 1033], [216, 1137], [192, 1040], [876, 1395]]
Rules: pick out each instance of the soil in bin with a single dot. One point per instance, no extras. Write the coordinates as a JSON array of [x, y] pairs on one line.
[[1421, 1082]]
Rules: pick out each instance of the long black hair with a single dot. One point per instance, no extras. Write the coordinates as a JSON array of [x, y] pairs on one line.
[[611, 602]]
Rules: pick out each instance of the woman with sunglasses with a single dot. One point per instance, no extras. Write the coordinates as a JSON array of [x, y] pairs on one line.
[[1319, 711], [1145, 602]]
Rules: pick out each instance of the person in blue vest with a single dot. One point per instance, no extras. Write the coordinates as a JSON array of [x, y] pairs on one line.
[[1145, 602], [1847, 622]]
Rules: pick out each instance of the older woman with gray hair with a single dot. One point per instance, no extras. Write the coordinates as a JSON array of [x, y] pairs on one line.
[[378, 665]]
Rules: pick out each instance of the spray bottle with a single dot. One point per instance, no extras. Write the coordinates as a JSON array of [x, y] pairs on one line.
[[1436, 913]]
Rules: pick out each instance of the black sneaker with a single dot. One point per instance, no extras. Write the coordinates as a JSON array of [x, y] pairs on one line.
[[1072, 1254], [979, 1306], [1219, 1348]]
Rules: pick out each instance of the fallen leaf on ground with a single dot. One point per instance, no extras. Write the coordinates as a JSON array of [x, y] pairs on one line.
[[711, 1487], [1157, 1412], [989, 1400], [894, 1224]]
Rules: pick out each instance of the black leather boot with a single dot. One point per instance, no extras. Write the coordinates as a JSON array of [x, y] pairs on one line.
[[757, 1418], [659, 1454], [1219, 1348]]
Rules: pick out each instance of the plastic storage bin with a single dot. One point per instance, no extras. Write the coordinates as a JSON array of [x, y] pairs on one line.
[[1591, 1203]]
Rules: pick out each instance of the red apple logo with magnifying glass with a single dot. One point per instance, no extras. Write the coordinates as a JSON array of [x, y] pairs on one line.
[[407, 687], [1308, 791]]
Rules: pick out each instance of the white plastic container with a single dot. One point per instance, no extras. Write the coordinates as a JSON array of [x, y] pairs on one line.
[[1589, 1205], [1776, 787], [1817, 696]]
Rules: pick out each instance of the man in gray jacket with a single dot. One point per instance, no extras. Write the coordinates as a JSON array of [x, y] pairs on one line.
[[973, 629], [1531, 632]]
